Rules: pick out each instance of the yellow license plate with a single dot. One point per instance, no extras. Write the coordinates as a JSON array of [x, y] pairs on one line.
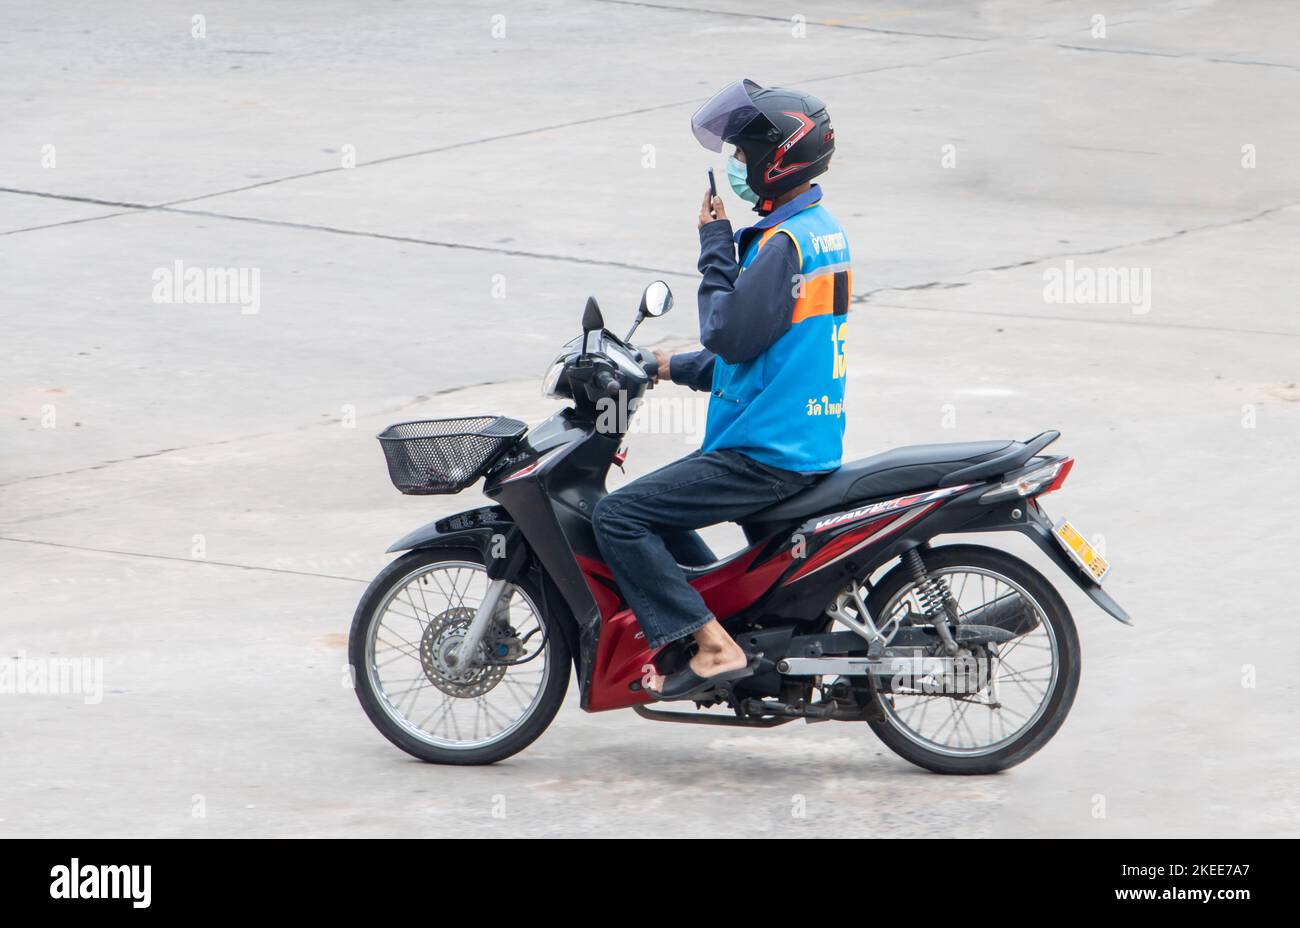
[[1083, 553]]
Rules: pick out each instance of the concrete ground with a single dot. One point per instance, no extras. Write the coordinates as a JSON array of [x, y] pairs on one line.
[[191, 494]]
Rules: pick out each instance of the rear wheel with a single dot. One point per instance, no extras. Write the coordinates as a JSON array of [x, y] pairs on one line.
[[1027, 684], [413, 686]]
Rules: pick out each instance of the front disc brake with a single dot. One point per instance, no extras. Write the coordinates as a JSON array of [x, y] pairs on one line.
[[442, 636]]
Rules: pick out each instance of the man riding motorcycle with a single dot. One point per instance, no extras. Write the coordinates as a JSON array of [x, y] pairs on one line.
[[773, 304]]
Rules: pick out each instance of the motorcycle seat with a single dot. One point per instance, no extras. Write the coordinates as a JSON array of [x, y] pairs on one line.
[[912, 467]]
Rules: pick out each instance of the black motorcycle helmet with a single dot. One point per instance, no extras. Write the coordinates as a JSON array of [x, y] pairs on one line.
[[786, 135]]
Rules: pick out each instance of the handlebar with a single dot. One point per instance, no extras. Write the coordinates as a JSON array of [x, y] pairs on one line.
[[649, 364], [607, 383]]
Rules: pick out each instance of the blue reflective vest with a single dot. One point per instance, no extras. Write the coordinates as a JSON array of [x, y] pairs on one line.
[[785, 408]]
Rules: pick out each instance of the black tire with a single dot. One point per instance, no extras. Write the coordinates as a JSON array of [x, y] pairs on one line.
[[542, 713], [1058, 704]]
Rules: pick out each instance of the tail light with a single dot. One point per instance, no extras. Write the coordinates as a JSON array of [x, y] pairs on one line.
[[1036, 481], [1061, 474]]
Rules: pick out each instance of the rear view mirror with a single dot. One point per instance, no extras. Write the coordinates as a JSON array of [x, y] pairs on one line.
[[656, 300]]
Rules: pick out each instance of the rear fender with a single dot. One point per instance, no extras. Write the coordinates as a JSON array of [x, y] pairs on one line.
[[1027, 517]]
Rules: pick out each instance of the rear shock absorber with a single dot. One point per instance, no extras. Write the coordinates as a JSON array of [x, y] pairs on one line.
[[935, 598]]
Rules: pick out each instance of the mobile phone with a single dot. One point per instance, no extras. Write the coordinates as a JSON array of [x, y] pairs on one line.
[[713, 192]]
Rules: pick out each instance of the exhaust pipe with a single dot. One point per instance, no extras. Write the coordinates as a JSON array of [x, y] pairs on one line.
[[1011, 613]]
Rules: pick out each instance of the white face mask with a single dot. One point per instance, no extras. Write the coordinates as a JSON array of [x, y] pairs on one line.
[[737, 176]]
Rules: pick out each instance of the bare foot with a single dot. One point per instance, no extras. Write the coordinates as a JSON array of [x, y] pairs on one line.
[[718, 653], [719, 659]]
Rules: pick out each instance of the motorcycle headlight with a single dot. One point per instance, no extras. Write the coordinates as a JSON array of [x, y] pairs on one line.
[[551, 382]]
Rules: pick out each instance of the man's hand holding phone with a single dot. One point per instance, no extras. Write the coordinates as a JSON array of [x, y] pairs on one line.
[[711, 210]]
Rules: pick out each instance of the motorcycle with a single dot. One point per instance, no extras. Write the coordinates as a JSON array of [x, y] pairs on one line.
[[961, 658]]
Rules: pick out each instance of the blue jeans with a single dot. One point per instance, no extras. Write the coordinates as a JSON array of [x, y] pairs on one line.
[[645, 530]]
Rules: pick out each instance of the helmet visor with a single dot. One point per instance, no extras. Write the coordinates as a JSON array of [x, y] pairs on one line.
[[725, 115]]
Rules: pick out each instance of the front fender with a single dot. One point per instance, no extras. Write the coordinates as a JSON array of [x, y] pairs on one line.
[[481, 529], [474, 529]]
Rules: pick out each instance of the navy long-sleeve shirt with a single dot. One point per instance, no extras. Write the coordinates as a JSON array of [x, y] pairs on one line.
[[741, 315]]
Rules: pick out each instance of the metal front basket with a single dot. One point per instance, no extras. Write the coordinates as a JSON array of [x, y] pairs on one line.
[[446, 455]]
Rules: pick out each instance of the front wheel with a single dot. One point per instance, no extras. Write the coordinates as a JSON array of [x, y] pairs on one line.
[[1029, 682], [414, 688]]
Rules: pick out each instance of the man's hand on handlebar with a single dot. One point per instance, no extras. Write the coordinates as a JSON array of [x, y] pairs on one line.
[[664, 359]]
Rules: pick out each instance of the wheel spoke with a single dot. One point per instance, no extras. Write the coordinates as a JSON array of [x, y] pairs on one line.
[[480, 703], [956, 731]]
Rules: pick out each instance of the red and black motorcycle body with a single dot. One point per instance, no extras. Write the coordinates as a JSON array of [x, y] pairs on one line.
[[800, 553]]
